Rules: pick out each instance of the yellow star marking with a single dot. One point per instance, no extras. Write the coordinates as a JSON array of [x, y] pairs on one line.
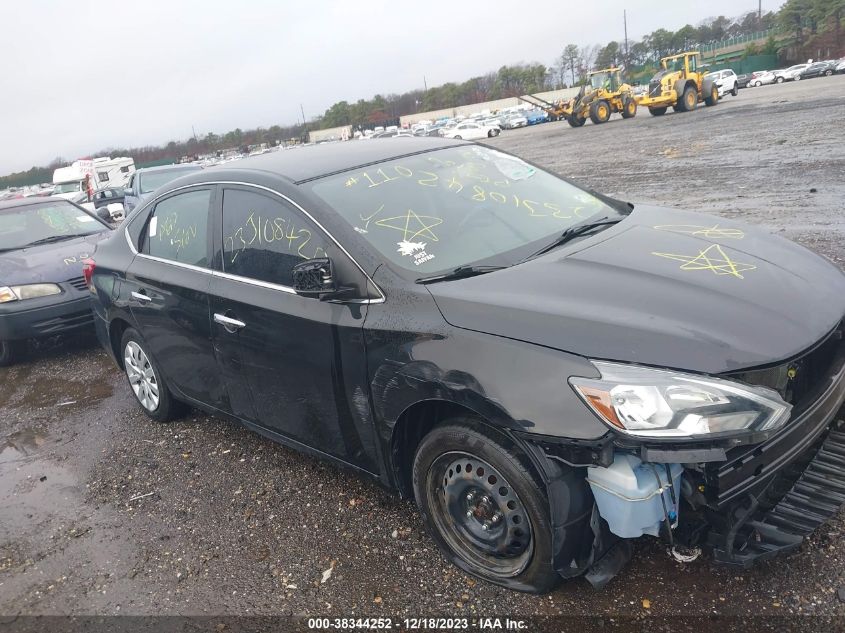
[[712, 232], [712, 258], [422, 225], [351, 181]]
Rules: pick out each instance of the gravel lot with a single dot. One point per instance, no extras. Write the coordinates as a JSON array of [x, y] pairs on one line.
[[106, 512]]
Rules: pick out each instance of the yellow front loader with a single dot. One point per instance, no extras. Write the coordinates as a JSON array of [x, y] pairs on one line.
[[606, 93], [679, 83]]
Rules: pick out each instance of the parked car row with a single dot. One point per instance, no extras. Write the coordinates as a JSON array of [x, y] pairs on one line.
[[795, 73]]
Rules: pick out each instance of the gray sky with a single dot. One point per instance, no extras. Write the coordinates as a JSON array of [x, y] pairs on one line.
[[84, 75]]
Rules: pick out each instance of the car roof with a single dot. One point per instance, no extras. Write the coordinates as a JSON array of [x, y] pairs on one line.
[[315, 161], [23, 202], [172, 167]]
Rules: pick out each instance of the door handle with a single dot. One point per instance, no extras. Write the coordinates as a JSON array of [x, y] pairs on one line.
[[141, 297], [230, 324]]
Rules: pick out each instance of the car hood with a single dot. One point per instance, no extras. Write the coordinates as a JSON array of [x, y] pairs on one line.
[[663, 288], [49, 263]]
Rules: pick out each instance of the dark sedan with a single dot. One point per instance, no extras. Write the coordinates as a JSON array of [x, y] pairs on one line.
[[819, 69], [43, 242], [547, 371]]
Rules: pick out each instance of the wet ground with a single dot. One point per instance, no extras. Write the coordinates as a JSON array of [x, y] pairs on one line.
[[103, 511]]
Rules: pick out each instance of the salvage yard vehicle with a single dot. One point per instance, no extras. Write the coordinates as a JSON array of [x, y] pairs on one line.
[[819, 69], [793, 73], [680, 84], [145, 181], [547, 371], [764, 78], [726, 81], [606, 93], [471, 131], [43, 242]]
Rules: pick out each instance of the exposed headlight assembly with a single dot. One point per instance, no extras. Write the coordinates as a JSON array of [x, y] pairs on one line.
[[665, 404], [29, 291]]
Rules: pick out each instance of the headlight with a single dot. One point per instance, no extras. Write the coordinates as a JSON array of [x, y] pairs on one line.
[[656, 403], [29, 291]]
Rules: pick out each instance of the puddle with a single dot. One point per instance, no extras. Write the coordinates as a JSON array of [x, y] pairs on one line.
[[32, 488], [63, 393], [21, 444]]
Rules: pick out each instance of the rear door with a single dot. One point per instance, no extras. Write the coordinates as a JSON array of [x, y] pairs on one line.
[[293, 365], [168, 285]]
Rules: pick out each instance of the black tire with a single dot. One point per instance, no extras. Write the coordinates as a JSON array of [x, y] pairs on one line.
[[11, 351], [713, 98], [779, 80], [735, 90], [797, 78], [527, 563], [658, 111], [457, 137], [828, 72], [599, 112], [688, 100], [167, 408], [629, 109], [575, 121]]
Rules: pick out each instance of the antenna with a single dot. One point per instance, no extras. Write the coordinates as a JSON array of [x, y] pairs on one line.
[[625, 21]]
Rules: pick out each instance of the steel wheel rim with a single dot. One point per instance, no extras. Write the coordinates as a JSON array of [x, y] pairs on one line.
[[141, 375], [479, 514]]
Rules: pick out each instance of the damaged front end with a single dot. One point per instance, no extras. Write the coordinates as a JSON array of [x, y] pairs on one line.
[[741, 499]]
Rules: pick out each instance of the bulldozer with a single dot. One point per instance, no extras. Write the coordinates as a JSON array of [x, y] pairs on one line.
[[605, 94], [679, 83]]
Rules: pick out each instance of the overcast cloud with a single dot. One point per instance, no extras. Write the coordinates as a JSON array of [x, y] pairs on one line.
[[84, 75]]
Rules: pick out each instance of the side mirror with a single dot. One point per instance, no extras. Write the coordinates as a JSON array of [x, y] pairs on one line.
[[127, 193], [314, 278]]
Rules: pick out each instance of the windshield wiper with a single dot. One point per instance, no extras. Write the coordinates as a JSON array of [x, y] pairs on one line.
[[55, 238], [572, 232], [461, 272]]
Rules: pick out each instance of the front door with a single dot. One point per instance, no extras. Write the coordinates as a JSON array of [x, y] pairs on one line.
[[300, 360], [168, 283]]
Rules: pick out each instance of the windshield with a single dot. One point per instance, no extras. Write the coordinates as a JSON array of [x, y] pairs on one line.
[[20, 226], [151, 181], [675, 64], [603, 80], [435, 211], [68, 187]]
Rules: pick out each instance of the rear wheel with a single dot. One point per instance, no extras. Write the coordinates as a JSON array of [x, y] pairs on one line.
[[797, 77], [145, 380], [779, 80], [484, 507], [658, 111], [10, 352], [576, 121], [713, 98], [599, 111], [629, 109]]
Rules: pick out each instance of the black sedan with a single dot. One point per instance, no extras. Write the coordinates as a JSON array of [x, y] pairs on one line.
[[819, 69], [43, 242], [547, 371]]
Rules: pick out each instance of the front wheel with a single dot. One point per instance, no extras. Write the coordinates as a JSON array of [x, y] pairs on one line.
[[576, 121], [797, 78], [713, 98], [599, 112], [457, 136], [145, 380], [657, 111], [779, 80], [828, 73], [735, 90], [484, 508]]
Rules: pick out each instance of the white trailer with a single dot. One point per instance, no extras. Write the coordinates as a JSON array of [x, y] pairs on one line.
[[102, 172]]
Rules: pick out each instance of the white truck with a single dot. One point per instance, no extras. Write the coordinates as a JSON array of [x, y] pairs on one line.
[[69, 182]]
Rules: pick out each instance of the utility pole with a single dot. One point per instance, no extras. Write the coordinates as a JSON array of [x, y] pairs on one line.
[[425, 84], [760, 12], [304, 125], [625, 21]]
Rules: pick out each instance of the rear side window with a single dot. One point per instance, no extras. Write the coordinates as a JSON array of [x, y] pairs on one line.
[[265, 237], [178, 229]]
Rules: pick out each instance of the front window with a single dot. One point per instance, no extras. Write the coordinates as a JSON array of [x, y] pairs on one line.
[[151, 181], [435, 211], [41, 223], [68, 187]]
